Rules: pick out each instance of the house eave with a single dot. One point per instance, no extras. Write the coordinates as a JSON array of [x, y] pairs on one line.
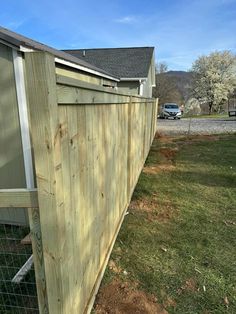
[[74, 65], [80, 67], [133, 79]]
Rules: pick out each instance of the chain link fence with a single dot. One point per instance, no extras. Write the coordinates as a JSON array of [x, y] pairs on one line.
[[18, 293]]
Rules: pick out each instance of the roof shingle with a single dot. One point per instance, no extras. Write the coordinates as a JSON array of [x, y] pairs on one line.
[[122, 62], [19, 40]]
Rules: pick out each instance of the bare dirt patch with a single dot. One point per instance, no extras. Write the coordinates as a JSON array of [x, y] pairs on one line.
[[144, 204], [169, 302], [168, 211], [205, 138], [167, 162], [197, 138], [124, 298], [113, 267], [154, 210], [168, 153], [189, 285], [163, 138], [158, 168]]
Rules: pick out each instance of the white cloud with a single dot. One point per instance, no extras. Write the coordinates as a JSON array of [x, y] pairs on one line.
[[14, 25], [126, 20]]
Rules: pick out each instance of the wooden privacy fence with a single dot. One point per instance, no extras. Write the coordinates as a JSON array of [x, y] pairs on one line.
[[89, 146]]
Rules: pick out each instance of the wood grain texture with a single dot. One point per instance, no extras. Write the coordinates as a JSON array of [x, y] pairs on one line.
[[26, 240], [78, 75], [90, 146], [81, 96], [46, 135], [38, 257], [18, 198]]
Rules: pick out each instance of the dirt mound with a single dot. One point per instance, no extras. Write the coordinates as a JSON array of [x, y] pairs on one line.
[[189, 285], [169, 153], [163, 138], [124, 298], [144, 204]]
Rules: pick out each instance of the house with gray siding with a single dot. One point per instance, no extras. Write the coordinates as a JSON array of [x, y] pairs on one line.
[[131, 70], [16, 165], [134, 66]]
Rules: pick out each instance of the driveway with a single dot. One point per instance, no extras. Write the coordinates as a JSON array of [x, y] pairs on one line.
[[197, 126]]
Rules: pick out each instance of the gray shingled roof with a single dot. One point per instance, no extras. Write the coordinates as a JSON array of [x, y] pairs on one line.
[[19, 40], [122, 62]]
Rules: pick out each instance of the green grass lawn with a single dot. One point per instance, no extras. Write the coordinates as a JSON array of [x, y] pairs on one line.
[[179, 239]]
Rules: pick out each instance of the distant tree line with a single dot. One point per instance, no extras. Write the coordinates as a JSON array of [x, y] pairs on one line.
[[210, 82]]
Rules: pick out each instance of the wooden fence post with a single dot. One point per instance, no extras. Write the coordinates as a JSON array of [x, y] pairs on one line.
[[45, 129], [129, 150], [36, 239]]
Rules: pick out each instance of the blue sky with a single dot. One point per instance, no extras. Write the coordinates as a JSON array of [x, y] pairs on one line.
[[180, 30]]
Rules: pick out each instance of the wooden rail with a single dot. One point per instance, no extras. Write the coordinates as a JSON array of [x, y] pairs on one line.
[[71, 91], [25, 198], [18, 198]]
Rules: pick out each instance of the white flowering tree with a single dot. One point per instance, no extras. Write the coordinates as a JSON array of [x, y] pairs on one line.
[[192, 106], [214, 78]]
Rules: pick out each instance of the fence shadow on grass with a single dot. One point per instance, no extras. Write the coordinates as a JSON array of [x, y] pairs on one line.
[[208, 179]]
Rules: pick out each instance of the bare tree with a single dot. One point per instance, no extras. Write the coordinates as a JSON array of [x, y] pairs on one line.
[[161, 67], [166, 90]]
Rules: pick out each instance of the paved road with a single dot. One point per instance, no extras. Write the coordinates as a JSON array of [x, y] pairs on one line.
[[197, 126]]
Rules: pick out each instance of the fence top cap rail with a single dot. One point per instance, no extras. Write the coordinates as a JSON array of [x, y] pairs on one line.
[[64, 80]]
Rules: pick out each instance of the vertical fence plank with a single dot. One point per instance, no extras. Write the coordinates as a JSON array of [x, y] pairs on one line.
[[36, 239], [46, 133], [129, 149]]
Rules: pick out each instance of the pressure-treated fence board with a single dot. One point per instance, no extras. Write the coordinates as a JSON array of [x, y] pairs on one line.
[[90, 145], [71, 91], [71, 82], [46, 133], [36, 240], [18, 198], [74, 95]]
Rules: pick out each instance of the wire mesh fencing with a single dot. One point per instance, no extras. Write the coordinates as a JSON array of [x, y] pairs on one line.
[[18, 293]]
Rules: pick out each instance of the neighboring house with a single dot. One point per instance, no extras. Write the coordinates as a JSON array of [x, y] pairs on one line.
[[135, 67], [83, 70], [15, 170]]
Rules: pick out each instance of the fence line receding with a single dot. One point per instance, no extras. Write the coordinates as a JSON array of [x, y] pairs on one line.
[[89, 146]]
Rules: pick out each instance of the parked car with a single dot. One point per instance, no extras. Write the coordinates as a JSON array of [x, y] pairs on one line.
[[232, 108], [170, 110]]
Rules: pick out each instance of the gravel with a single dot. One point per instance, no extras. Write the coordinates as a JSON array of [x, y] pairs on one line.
[[197, 126]]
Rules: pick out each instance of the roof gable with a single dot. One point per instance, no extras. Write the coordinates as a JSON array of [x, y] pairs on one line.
[[121, 62]]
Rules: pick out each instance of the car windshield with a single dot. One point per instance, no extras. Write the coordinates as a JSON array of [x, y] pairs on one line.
[[171, 106]]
